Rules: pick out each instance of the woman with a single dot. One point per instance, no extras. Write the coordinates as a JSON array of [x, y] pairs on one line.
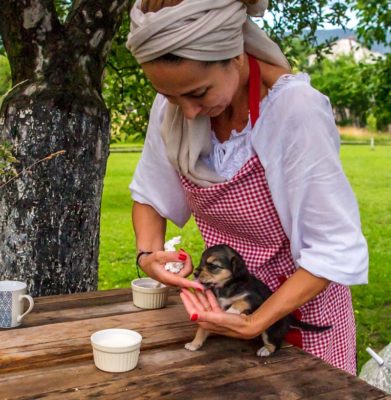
[[252, 151]]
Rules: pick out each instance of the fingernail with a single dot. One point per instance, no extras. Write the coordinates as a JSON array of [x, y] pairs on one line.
[[199, 290], [194, 317], [182, 257]]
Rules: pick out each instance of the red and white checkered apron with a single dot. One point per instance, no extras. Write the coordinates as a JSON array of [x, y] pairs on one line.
[[241, 213]]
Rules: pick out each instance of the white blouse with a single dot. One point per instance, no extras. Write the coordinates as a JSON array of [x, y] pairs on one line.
[[297, 143]]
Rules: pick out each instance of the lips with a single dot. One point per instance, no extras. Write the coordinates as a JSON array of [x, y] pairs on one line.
[[213, 111]]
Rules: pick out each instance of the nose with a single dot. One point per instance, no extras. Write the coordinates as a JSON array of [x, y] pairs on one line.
[[196, 273], [190, 109]]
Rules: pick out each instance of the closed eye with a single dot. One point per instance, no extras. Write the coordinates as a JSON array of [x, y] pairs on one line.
[[198, 95]]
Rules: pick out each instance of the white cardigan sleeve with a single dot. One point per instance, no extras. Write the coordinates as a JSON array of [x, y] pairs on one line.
[[155, 181], [298, 144]]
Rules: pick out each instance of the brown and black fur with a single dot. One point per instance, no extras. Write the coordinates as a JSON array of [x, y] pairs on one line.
[[223, 271]]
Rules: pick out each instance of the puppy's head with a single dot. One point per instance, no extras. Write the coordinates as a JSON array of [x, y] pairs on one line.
[[220, 265]]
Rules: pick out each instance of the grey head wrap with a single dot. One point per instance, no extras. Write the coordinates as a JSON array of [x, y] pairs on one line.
[[203, 30]]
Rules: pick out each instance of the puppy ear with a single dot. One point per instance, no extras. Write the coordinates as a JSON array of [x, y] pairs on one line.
[[239, 269]]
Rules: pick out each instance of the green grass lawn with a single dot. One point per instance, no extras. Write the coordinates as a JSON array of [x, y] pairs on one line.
[[369, 172]]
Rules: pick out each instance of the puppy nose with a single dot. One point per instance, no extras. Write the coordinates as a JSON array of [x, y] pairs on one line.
[[196, 273]]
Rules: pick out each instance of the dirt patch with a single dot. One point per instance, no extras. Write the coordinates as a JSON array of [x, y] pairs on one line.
[[362, 133]]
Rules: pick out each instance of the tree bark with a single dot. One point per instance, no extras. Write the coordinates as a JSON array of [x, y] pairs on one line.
[[49, 216]]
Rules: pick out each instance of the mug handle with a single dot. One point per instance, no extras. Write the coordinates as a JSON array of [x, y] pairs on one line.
[[31, 301]]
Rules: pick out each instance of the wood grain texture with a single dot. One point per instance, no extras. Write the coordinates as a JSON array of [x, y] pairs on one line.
[[81, 308], [52, 359]]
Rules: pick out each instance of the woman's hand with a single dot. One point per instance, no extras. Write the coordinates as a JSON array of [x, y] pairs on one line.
[[153, 265], [205, 309]]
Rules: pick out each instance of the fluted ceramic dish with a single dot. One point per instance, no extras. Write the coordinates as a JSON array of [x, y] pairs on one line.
[[116, 350], [149, 294]]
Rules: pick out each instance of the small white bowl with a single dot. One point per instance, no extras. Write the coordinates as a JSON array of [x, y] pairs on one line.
[[149, 294], [116, 350]]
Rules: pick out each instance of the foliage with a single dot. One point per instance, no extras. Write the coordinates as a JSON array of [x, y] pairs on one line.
[[62, 8], [294, 25], [5, 76], [374, 20], [127, 92], [7, 163], [380, 75], [359, 92]]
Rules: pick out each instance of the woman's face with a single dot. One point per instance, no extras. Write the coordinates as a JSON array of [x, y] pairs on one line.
[[197, 88]]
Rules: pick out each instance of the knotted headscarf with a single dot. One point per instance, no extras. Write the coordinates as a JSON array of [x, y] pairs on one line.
[[203, 30]]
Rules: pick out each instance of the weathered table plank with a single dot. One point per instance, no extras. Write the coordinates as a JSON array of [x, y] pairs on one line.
[[78, 306], [51, 358], [65, 342]]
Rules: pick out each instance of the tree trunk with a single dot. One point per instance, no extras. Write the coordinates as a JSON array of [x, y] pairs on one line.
[[49, 216]]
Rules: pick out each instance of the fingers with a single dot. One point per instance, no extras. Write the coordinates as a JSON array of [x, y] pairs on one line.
[[191, 308], [216, 320], [203, 301], [163, 257], [187, 266], [179, 278], [175, 280], [154, 264], [192, 304], [186, 283], [212, 301]]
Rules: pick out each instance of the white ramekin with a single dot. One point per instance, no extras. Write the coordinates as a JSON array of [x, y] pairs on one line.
[[116, 350], [148, 293]]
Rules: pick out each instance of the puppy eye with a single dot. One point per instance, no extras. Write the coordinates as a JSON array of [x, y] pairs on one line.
[[214, 267]]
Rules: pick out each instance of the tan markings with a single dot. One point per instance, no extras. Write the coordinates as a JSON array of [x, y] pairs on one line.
[[198, 340], [223, 275], [224, 302], [211, 259], [241, 305], [270, 346], [214, 260]]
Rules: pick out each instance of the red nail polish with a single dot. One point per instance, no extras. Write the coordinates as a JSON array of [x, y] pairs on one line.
[[182, 257], [199, 290], [194, 317]]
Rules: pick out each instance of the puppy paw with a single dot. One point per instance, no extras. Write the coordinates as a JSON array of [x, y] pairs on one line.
[[193, 346], [263, 352], [233, 310]]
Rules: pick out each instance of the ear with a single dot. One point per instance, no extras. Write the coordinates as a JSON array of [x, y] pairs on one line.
[[239, 269], [239, 61]]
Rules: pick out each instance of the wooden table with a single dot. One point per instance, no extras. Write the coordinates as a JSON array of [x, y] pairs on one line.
[[50, 357]]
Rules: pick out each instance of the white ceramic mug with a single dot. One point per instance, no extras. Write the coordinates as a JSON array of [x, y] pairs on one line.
[[12, 295]]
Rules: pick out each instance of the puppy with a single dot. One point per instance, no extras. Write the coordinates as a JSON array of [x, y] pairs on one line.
[[223, 271]]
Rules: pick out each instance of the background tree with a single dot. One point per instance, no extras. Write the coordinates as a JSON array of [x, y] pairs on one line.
[[342, 80], [374, 20], [293, 26], [49, 218], [358, 91], [126, 91]]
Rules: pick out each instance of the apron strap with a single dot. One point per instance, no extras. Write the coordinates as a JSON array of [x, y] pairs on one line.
[[254, 88]]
